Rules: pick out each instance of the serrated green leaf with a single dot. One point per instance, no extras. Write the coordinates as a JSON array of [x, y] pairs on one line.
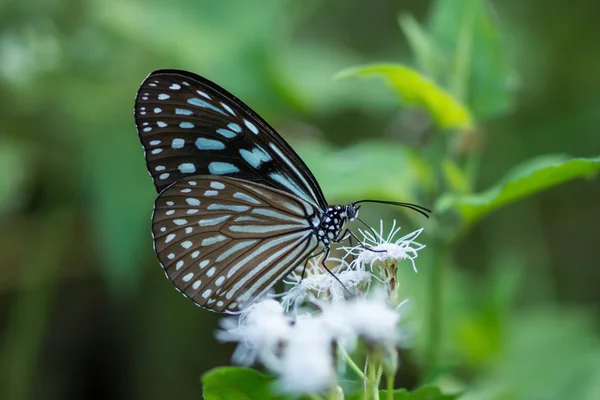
[[526, 179], [235, 383], [417, 90], [423, 393]]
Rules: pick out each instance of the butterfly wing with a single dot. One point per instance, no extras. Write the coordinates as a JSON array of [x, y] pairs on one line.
[[191, 126], [224, 241]]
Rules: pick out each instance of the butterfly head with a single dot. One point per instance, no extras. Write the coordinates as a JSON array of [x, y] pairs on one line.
[[351, 212]]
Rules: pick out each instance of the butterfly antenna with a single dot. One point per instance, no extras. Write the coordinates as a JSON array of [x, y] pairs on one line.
[[415, 207]]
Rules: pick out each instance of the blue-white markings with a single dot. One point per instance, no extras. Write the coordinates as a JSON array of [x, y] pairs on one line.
[[177, 143], [212, 240], [182, 111], [204, 104], [245, 197], [212, 221], [192, 202], [163, 96], [251, 126], [186, 125], [226, 133], [291, 185], [225, 106], [209, 144], [234, 127], [201, 93], [227, 207], [219, 168], [161, 124], [255, 157], [187, 168]]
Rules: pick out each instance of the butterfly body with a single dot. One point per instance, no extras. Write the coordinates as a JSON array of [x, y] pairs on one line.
[[237, 209]]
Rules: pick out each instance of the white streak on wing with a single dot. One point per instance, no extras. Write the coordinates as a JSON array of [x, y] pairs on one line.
[[296, 171], [245, 197], [247, 218], [236, 247], [272, 243], [310, 249], [212, 221], [291, 185], [250, 274], [216, 207], [261, 228], [269, 212], [217, 185], [265, 277], [212, 240], [293, 208]]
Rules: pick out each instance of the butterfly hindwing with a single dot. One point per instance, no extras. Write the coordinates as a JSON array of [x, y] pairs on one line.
[[224, 241], [191, 126]]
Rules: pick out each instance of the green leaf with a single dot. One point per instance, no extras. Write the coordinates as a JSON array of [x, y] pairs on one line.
[[401, 174], [417, 90], [422, 45], [526, 179], [235, 383], [469, 40], [423, 393]]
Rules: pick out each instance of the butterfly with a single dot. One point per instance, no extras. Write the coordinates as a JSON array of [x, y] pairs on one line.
[[237, 208]]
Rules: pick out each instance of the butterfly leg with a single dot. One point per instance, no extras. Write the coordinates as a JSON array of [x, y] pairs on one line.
[[332, 274], [306, 263]]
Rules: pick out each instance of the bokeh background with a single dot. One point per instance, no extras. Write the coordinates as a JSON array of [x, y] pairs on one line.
[[85, 310]]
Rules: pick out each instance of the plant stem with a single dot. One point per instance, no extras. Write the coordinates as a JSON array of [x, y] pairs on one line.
[[390, 386], [351, 363], [435, 307]]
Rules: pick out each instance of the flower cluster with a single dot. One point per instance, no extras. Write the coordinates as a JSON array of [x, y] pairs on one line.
[[304, 335]]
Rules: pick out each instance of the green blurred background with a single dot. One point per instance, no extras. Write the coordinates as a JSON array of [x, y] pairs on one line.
[[85, 310]]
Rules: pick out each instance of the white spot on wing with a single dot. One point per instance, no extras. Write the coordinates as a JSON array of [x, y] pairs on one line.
[[251, 126]]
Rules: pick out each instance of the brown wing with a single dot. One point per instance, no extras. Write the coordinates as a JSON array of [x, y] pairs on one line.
[[224, 242]]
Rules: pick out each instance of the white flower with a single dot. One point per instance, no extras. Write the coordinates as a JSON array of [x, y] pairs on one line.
[[387, 251], [370, 318], [260, 331], [322, 285], [307, 362]]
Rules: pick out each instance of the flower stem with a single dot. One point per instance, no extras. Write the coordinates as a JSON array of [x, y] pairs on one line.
[[351, 363], [390, 387], [435, 307]]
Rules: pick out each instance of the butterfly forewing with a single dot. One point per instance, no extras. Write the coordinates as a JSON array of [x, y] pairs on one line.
[[191, 126], [224, 241]]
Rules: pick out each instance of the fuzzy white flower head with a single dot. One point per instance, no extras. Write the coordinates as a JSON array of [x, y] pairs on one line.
[[318, 284], [370, 318], [260, 331], [387, 251], [306, 363]]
